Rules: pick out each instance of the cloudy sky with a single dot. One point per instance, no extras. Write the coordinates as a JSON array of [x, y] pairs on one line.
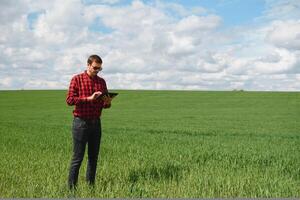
[[153, 44]]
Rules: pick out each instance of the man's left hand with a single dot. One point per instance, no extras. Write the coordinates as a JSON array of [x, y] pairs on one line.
[[107, 100]]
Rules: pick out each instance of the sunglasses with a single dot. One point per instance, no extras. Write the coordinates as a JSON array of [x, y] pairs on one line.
[[97, 68]]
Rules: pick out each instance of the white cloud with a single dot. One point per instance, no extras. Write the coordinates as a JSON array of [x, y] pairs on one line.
[[110, 1], [281, 62], [285, 34], [195, 23], [153, 45], [128, 19], [282, 10], [12, 11], [6, 82], [41, 84], [62, 24]]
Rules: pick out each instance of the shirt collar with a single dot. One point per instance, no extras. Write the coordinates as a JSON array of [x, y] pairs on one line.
[[86, 74]]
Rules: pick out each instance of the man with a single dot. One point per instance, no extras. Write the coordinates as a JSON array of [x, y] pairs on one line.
[[83, 92]]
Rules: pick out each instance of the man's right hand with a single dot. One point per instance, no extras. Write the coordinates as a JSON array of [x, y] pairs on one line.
[[94, 96]]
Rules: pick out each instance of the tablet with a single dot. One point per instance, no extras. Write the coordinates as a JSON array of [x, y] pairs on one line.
[[110, 94]]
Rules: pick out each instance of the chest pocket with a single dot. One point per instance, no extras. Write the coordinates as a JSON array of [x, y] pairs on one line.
[[98, 87]]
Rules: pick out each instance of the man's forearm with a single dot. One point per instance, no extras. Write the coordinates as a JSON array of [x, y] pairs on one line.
[[72, 100]]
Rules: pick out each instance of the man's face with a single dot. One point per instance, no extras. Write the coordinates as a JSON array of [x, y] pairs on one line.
[[94, 68]]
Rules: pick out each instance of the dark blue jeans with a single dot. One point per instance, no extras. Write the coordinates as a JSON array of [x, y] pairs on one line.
[[85, 132]]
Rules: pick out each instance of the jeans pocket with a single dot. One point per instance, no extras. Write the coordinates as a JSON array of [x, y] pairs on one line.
[[79, 129]]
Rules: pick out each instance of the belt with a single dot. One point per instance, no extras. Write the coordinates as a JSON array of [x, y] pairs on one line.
[[93, 120]]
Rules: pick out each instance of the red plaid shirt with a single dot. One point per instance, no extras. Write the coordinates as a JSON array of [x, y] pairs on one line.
[[81, 87]]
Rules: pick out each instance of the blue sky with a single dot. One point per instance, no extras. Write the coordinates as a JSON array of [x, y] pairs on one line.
[[153, 44], [233, 12]]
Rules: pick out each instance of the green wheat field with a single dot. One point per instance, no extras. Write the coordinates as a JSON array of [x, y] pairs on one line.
[[189, 144]]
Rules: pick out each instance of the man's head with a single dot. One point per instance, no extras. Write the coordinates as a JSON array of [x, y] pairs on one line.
[[94, 65]]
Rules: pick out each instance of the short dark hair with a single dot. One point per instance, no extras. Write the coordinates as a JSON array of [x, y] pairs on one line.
[[94, 58]]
